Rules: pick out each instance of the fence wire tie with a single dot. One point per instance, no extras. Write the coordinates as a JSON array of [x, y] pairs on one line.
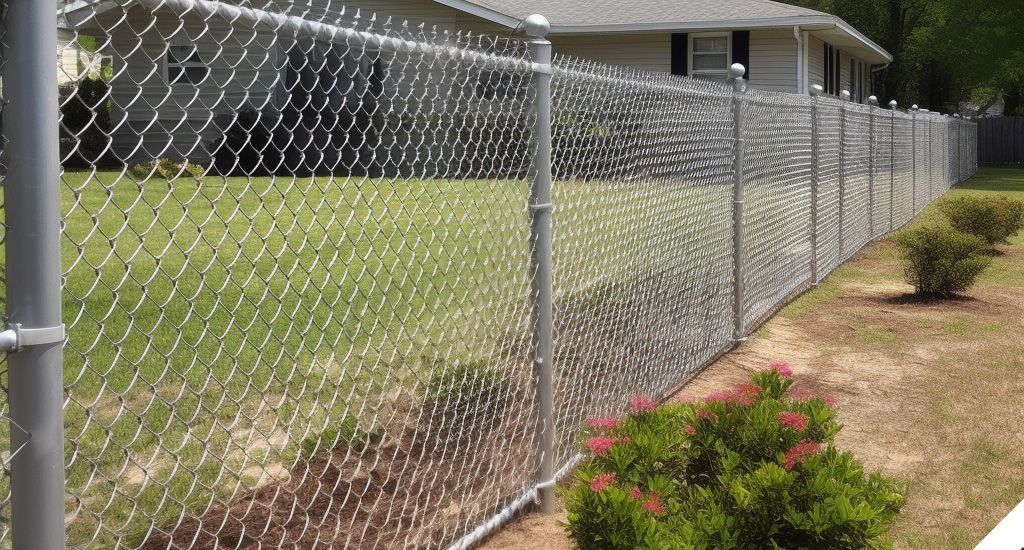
[[546, 207], [11, 454]]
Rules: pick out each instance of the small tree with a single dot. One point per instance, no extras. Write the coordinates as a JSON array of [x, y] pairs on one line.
[[941, 262]]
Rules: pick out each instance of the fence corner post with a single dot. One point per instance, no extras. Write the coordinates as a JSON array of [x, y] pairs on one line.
[[816, 91], [33, 277], [892, 164], [537, 27], [736, 72]]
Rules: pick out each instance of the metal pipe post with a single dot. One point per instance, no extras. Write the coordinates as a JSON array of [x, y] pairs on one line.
[[844, 97], [537, 27], [913, 154], [872, 102], [892, 164], [736, 72], [816, 91], [32, 210]]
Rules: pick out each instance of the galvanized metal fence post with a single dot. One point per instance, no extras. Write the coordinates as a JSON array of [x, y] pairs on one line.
[[844, 97], [872, 103], [537, 28], [931, 158], [892, 164], [816, 91], [736, 72], [913, 154], [34, 329]]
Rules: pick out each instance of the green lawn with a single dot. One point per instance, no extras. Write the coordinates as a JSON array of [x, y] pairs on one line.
[[213, 325], [216, 324]]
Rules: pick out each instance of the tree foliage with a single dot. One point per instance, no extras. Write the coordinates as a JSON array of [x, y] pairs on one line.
[[945, 52]]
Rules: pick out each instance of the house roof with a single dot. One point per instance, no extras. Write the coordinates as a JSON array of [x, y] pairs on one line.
[[597, 16]]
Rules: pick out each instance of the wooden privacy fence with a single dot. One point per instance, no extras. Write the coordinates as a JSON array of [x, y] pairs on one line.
[[1001, 141]]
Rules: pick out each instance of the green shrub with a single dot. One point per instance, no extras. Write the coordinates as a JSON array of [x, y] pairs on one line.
[[755, 467], [347, 434], [940, 261], [467, 389], [991, 219], [167, 169]]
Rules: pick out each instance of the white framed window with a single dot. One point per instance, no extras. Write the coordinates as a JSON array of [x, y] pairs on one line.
[[183, 65], [710, 55]]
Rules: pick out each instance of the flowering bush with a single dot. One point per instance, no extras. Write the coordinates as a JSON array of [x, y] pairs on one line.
[[753, 467]]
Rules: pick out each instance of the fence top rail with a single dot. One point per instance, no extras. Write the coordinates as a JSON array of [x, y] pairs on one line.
[[457, 47]]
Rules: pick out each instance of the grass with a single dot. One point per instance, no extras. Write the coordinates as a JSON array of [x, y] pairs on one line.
[[217, 326]]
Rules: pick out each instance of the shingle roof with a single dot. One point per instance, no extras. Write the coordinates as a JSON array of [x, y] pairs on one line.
[[592, 16], [576, 13]]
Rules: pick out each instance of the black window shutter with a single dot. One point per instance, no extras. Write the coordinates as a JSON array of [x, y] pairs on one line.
[[741, 50], [680, 53]]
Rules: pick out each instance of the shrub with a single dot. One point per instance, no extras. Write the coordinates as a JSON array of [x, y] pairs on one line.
[[347, 434], [85, 123], [166, 168], [466, 390], [940, 261], [992, 219], [754, 467]]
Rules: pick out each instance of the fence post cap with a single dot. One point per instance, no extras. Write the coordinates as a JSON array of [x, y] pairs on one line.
[[737, 70], [844, 95], [914, 107], [893, 104], [536, 25], [816, 89], [873, 101]]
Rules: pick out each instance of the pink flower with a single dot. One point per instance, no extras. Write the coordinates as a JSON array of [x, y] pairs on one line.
[[653, 504], [602, 482], [640, 404], [624, 440], [718, 397], [690, 430], [830, 400], [782, 368], [800, 452], [635, 494], [600, 445], [706, 415], [794, 420], [603, 423], [799, 394], [745, 394], [686, 399]]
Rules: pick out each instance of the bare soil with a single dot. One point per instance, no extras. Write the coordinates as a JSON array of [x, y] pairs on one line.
[[925, 391]]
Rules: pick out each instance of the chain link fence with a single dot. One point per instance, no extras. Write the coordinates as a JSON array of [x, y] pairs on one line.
[[319, 284]]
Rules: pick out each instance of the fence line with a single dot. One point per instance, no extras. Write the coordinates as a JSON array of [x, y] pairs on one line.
[[330, 280]]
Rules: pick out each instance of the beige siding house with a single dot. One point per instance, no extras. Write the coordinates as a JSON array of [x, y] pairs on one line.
[[174, 73]]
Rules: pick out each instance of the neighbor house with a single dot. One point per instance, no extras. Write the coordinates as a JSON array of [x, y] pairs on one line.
[[175, 71]]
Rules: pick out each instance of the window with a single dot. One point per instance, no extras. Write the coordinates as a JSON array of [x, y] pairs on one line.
[[710, 55], [184, 66], [831, 70], [854, 83]]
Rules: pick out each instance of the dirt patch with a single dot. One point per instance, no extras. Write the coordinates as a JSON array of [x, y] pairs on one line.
[[377, 496], [905, 376]]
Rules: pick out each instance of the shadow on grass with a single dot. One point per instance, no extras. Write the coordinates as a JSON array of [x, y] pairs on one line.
[[914, 298]]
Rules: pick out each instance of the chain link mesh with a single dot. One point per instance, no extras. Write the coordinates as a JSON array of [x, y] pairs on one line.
[[297, 273], [642, 235], [776, 208]]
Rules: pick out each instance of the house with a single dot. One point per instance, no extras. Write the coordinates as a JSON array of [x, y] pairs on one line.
[[176, 70]]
